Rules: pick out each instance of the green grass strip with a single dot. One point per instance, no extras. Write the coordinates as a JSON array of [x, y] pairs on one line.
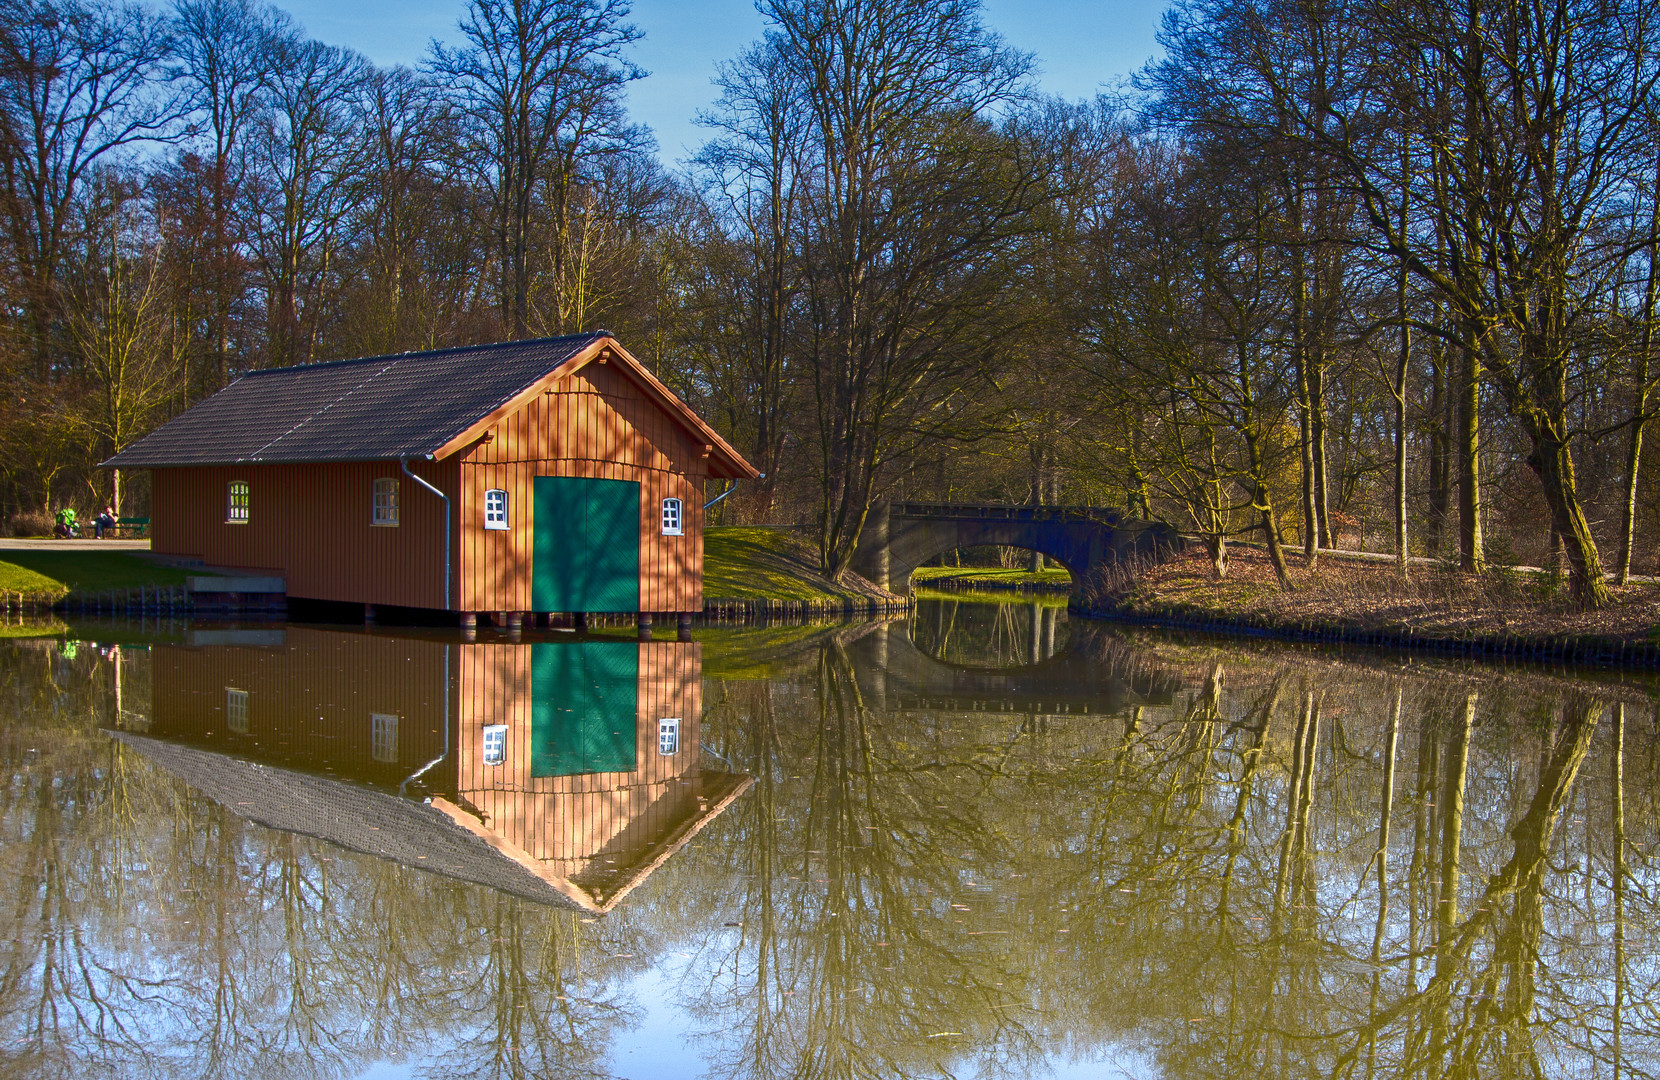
[[52, 573]]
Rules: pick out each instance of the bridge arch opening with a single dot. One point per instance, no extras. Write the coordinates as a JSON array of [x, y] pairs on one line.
[[995, 567], [899, 537]]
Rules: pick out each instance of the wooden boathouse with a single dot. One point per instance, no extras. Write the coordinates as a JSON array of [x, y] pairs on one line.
[[531, 477]]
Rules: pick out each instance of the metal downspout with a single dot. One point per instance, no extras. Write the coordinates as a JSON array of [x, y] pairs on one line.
[[418, 773], [727, 492], [404, 463]]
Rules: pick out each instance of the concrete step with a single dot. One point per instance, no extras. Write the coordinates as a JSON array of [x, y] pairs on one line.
[[242, 585]]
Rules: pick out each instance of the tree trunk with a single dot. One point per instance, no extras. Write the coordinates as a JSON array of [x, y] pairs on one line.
[[1271, 532], [1035, 565], [1305, 409], [1555, 463], [1440, 474], [1639, 412], [1633, 460], [1471, 556], [1317, 450], [1402, 363], [1138, 502], [1217, 546]]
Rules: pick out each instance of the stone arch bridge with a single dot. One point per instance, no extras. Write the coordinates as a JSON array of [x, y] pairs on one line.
[[899, 537]]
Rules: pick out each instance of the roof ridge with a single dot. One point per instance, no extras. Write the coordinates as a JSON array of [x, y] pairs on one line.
[[482, 347], [319, 412]]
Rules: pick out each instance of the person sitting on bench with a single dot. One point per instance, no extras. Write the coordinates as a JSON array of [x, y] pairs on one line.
[[105, 520]]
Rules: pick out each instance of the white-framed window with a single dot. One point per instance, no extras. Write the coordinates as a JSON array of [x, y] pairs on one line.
[[495, 509], [237, 502], [495, 744], [674, 517], [383, 736], [668, 736], [236, 710], [386, 501]]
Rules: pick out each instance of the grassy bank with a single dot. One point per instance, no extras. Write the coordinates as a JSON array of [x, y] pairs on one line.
[[992, 579], [747, 563], [1502, 612], [54, 573]]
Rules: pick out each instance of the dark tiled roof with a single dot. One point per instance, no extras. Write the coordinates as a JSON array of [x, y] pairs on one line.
[[352, 816], [374, 409]]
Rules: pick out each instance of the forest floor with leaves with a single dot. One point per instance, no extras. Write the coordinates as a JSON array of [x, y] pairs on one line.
[[1368, 595]]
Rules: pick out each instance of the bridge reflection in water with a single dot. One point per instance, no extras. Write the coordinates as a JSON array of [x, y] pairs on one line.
[[562, 772], [974, 656]]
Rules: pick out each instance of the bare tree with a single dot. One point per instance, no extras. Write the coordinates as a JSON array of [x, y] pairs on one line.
[[542, 83], [910, 198], [309, 145], [117, 317], [78, 82], [756, 169], [406, 124], [223, 55]]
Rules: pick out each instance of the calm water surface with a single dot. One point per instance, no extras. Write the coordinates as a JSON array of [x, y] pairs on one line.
[[980, 842]]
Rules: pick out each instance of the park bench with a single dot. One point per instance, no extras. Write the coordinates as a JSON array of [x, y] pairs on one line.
[[132, 526]]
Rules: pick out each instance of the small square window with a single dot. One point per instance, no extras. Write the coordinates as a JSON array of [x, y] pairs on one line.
[[237, 502], [495, 744], [495, 509], [668, 736], [673, 518], [383, 736], [236, 711], [386, 501]]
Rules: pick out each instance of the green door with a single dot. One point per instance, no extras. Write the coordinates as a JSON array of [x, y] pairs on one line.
[[587, 547], [584, 707]]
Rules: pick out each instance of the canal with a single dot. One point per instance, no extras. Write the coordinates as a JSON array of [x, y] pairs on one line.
[[979, 841]]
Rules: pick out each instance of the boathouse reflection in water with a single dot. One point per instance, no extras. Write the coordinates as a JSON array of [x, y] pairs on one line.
[[562, 772]]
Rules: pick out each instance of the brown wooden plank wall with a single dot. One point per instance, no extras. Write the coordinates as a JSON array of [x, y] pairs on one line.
[[596, 423], [571, 820], [311, 523], [309, 700]]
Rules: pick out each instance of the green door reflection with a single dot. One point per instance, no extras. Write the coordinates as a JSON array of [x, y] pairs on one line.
[[584, 705]]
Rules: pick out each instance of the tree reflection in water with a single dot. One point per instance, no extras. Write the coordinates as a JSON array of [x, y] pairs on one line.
[[1246, 861], [980, 634]]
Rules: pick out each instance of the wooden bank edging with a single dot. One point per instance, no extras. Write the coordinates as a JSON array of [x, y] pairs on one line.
[[1585, 649], [146, 600], [741, 611], [962, 585]]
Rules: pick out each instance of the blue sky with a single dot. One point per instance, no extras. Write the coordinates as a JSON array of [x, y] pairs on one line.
[[1081, 45]]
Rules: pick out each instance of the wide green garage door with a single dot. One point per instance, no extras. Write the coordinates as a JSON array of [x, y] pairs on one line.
[[584, 707], [587, 555]]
